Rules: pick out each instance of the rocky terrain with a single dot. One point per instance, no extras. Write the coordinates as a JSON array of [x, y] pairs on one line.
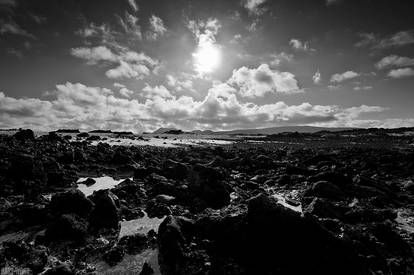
[[306, 204]]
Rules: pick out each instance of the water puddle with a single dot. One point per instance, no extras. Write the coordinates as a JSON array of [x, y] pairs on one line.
[[132, 264], [142, 225], [101, 183]]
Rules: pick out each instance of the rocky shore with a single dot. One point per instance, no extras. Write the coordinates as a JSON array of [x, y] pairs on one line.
[[233, 209]]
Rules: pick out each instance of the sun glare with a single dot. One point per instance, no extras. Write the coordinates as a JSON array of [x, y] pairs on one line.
[[207, 58]]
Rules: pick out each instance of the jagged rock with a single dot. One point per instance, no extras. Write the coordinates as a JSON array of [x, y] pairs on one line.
[[31, 213], [67, 227], [88, 182], [114, 255], [338, 179], [146, 269], [172, 235], [161, 198], [61, 269], [72, 201], [207, 183], [83, 135], [157, 209], [142, 172], [279, 238], [133, 243], [105, 214], [175, 170], [24, 135], [324, 209], [359, 215], [324, 189]]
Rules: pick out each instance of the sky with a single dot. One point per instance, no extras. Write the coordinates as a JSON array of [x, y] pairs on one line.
[[140, 65]]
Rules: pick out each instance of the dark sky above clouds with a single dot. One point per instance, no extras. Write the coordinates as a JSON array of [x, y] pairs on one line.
[[195, 64]]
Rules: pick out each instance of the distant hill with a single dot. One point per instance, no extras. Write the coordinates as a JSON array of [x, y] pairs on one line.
[[205, 132], [262, 131], [281, 129], [164, 130]]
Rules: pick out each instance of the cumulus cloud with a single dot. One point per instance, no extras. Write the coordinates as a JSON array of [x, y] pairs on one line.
[[394, 61], [133, 5], [397, 39], [180, 83], [277, 59], [254, 7], [95, 54], [80, 106], [157, 27], [299, 45], [123, 90], [257, 82], [317, 78], [344, 76], [401, 73], [127, 70], [130, 64], [157, 91]]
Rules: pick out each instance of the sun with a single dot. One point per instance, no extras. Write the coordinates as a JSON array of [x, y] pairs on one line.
[[207, 58]]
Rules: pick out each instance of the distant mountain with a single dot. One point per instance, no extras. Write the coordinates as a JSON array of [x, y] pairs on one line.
[[164, 130], [262, 131], [281, 129], [205, 132]]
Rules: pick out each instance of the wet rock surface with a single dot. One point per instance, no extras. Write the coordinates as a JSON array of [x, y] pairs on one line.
[[318, 208]]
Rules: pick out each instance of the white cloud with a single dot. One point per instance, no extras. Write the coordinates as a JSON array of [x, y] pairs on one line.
[[257, 82], [13, 28], [130, 64], [394, 61], [180, 84], [157, 27], [317, 78], [123, 90], [299, 45], [254, 7], [157, 91], [344, 76], [95, 54], [127, 70], [130, 25], [133, 5], [277, 59], [80, 106], [397, 39], [401, 73], [363, 88]]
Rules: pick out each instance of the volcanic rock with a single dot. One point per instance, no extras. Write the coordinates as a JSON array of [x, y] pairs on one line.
[[72, 201], [105, 214]]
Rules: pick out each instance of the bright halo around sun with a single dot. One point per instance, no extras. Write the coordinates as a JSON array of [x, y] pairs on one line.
[[207, 58]]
